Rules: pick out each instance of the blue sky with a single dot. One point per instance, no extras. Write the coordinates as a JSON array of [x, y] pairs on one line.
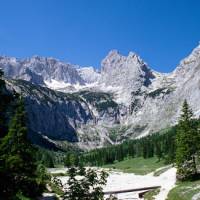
[[82, 32]]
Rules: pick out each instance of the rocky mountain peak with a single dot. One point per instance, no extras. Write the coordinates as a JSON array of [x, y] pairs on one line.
[[135, 57], [113, 52], [115, 60], [188, 66], [111, 60], [130, 71]]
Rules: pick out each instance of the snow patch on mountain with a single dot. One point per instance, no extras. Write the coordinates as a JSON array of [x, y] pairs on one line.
[[89, 74]]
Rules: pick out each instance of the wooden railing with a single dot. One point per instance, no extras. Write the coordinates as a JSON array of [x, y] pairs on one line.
[[131, 190]]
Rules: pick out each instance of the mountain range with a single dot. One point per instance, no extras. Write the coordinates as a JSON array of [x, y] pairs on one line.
[[68, 104]]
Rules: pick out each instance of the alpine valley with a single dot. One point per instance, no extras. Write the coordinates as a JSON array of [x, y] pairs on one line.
[[71, 105]]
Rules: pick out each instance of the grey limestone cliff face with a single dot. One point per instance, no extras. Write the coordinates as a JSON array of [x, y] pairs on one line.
[[126, 99], [159, 105], [130, 72], [187, 80], [39, 69], [58, 116], [53, 114]]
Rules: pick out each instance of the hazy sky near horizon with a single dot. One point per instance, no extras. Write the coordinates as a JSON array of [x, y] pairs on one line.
[[82, 32]]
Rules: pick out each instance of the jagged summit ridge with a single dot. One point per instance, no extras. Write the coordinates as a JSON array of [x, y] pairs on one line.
[[115, 60], [47, 69], [131, 71], [128, 73]]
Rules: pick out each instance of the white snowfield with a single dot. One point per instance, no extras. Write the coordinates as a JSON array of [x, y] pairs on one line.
[[122, 181]]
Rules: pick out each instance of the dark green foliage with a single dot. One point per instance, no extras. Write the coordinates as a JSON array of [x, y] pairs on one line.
[[187, 141], [158, 150], [42, 176], [56, 186], [67, 161], [105, 105], [71, 159], [6, 106], [92, 97], [160, 145], [45, 158], [18, 168], [159, 91], [88, 187], [52, 158], [101, 100]]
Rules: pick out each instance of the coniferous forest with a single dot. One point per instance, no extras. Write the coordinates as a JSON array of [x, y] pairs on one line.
[[179, 145], [161, 145]]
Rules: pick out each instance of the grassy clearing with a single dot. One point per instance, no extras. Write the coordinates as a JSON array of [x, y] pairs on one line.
[[184, 190], [137, 165], [150, 195]]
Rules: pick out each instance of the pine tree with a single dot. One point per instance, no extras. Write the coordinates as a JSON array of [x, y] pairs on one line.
[[76, 160], [187, 140], [47, 160], [18, 168], [67, 161], [158, 151], [145, 150]]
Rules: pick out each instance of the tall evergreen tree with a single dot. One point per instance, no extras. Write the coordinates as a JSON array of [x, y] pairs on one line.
[[67, 161], [47, 160], [187, 140], [158, 151], [18, 169]]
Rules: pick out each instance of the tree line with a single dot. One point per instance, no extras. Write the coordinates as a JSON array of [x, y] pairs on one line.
[[179, 145], [161, 145]]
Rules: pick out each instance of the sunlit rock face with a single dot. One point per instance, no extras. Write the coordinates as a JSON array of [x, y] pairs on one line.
[[128, 72], [124, 99], [47, 69]]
